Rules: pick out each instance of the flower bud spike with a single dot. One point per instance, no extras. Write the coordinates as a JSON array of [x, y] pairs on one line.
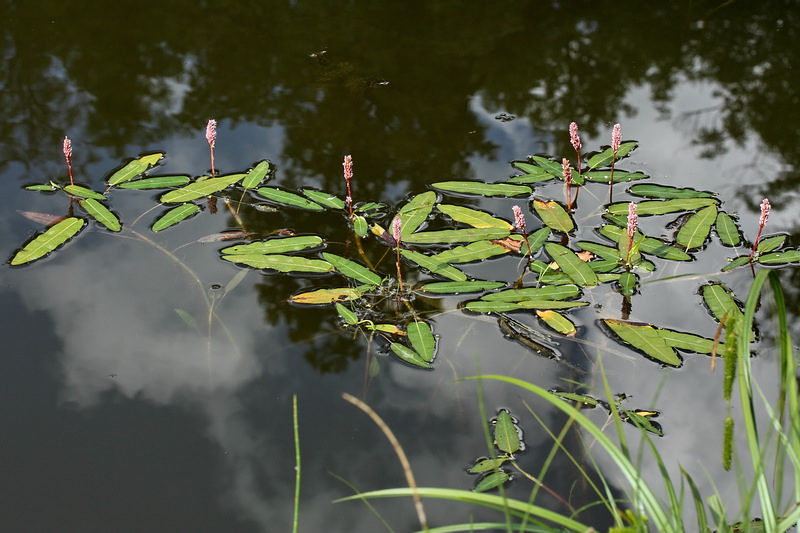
[[566, 171], [67, 148], [397, 233], [348, 177], [211, 138], [575, 140], [762, 221]]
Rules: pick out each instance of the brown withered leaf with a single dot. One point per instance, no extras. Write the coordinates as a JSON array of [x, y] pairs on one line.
[[509, 244], [46, 219], [585, 256], [224, 236]]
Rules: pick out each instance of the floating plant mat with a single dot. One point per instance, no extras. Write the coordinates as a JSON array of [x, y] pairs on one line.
[[401, 258]]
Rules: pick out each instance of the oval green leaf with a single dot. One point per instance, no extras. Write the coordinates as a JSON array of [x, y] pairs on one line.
[[604, 176], [557, 321], [735, 263], [408, 355], [458, 287], [770, 243], [277, 245], [175, 215], [475, 251], [487, 465], [482, 189], [719, 301], [324, 198], [649, 190], [352, 270], [646, 339], [49, 240], [83, 192], [133, 168], [256, 175], [627, 283], [695, 231], [434, 266], [422, 340], [329, 296], [415, 212], [780, 258], [456, 235], [487, 306], [505, 433], [688, 342], [473, 217], [491, 481], [156, 182], [605, 157], [554, 216], [548, 292], [606, 252], [727, 230], [347, 315], [279, 196], [572, 265], [662, 207], [533, 173], [281, 263], [648, 245], [360, 226], [200, 189], [101, 213]]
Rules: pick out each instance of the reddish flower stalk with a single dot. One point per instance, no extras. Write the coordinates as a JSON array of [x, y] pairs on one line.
[[616, 139], [633, 222], [519, 223], [211, 137], [68, 156], [397, 233], [348, 177], [762, 221], [566, 170]]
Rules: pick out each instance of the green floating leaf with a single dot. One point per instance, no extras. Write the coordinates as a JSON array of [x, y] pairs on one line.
[[572, 265], [548, 292], [281, 263], [282, 197], [548, 165], [277, 245], [695, 231], [386, 328], [662, 207], [134, 168], [324, 198], [768, 244], [604, 176], [549, 275], [456, 235], [347, 315], [780, 258], [688, 342], [434, 266], [605, 157], [491, 481], [352, 270], [156, 182], [475, 251], [646, 339], [256, 175], [199, 189], [533, 173], [600, 250], [557, 321], [535, 239], [48, 187], [627, 283], [719, 301], [329, 296], [488, 306], [579, 398], [649, 190], [415, 212], [647, 245], [360, 226], [83, 192], [482, 189], [487, 465], [737, 262], [175, 215], [727, 230], [101, 213], [637, 419], [554, 216], [408, 355], [458, 287], [505, 433], [49, 240], [422, 340], [473, 217], [368, 206]]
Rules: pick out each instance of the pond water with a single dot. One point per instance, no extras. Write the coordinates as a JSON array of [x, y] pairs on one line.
[[120, 416]]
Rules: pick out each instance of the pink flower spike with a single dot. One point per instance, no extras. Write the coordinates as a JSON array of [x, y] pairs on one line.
[[566, 171], [211, 132], [633, 220], [573, 137], [616, 138], [519, 218], [765, 208], [67, 148], [397, 230], [348, 167]]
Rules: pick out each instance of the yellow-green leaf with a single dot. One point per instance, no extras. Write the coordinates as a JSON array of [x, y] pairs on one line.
[[458, 287], [353, 270], [83, 192], [557, 321], [175, 215], [482, 189], [49, 240], [281, 263], [422, 340], [456, 235], [408, 355], [646, 339], [548, 292], [572, 265], [101, 213], [696, 230], [415, 212], [329, 296], [475, 251], [134, 168], [663, 207], [156, 182], [256, 175], [727, 230], [505, 433], [200, 189], [277, 245], [554, 215], [473, 217]]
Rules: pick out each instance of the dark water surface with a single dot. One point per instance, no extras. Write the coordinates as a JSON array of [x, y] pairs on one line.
[[117, 416]]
